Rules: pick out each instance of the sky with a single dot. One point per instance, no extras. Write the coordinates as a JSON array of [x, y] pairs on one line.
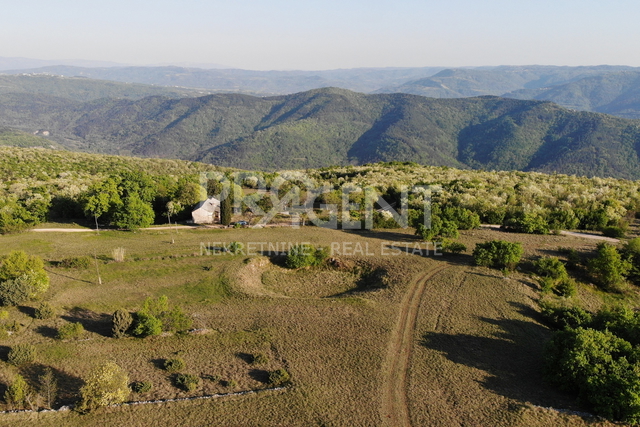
[[326, 34]]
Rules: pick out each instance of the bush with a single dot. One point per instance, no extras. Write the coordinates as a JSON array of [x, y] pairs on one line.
[[279, 377], [566, 317], [44, 311], [21, 354], [121, 321], [305, 255], [498, 254], [566, 287], [609, 268], [18, 266], [142, 387], [259, 359], [176, 320], [106, 385], [601, 367], [454, 247], [146, 325], [529, 223], [188, 382], [616, 232], [174, 365], [17, 393], [550, 267], [81, 262], [70, 331], [15, 292]]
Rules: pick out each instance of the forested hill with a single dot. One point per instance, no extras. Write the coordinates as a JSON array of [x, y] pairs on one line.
[[334, 126]]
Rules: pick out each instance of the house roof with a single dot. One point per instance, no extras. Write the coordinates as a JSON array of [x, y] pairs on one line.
[[209, 205]]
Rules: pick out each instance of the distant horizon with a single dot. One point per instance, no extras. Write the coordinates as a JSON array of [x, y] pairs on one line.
[[89, 63]]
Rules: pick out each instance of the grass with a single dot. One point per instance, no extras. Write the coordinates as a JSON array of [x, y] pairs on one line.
[[474, 360]]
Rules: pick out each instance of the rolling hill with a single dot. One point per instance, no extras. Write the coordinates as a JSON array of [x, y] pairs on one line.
[[245, 81], [334, 126], [85, 89], [612, 93]]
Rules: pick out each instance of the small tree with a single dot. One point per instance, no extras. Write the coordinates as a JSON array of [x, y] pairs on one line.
[[48, 387], [608, 267], [226, 209], [146, 325], [17, 393], [106, 385], [550, 267], [120, 323], [498, 254]]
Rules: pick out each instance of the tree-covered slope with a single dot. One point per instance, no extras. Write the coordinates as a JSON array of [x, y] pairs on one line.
[[335, 126], [612, 93]]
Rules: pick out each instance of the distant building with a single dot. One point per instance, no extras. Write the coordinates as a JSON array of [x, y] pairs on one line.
[[207, 211]]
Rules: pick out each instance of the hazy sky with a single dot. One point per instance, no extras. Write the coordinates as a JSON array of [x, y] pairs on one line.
[[327, 34]]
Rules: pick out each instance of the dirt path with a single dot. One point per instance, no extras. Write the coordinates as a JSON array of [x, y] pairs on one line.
[[394, 410]]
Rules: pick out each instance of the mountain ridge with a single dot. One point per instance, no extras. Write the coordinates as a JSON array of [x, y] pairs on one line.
[[330, 126]]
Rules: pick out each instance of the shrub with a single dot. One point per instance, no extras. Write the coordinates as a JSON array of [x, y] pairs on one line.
[[498, 254], [30, 269], [21, 354], [142, 387], [259, 359], [188, 382], [454, 247], [146, 325], [279, 377], [44, 311], [70, 331], [81, 262], [305, 255], [176, 320], [18, 392], [231, 383], [601, 367], [174, 365], [530, 223], [608, 267], [106, 385], [120, 323], [614, 231], [566, 317], [550, 267], [566, 287], [15, 291]]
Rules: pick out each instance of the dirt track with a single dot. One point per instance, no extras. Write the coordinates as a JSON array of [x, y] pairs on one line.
[[394, 410]]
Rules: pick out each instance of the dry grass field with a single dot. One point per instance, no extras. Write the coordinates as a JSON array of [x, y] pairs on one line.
[[379, 336]]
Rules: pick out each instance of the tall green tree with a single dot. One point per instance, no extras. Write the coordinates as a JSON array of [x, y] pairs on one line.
[[134, 214], [608, 267]]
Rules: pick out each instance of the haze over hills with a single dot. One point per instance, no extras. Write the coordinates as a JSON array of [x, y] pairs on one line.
[[335, 126], [84, 89], [607, 89], [246, 81]]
